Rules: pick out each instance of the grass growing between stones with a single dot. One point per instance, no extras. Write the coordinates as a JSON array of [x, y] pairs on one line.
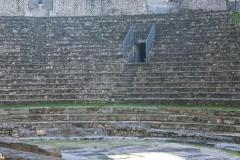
[[236, 17], [71, 104], [235, 153]]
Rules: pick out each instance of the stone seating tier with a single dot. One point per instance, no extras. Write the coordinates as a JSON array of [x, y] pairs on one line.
[[206, 124], [53, 55], [180, 89]]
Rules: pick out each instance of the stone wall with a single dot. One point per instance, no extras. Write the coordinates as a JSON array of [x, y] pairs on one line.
[[98, 7], [202, 4], [13, 7], [104, 7], [8, 130], [208, 124], [73, 7]]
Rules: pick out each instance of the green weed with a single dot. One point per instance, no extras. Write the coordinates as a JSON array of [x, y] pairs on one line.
[[236, 17], [71, 104]]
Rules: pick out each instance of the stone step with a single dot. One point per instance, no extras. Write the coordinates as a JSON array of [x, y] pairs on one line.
[[187, 84], [227, 95], [90, 57], [191, 55], [124, 125], [94, 51], [182, 101], [157, 51], [181, 89], [50, 96], [93, 110], [215, 65], [55, 65], [206, 120], [225, 73], [158, 58], [75, 61], [117, 95], [124, 85], [187, 78], [177, 84], [78, 77], [190, 134], [194, 126], [90, 78], [33, 86], [37, 91], [197, 31], [181, 63], [63, 75], [7, 102], [62, 78], [193, 39], [49, 69]]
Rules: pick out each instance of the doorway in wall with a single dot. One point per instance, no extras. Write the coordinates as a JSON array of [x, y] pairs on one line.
[[140, 49]]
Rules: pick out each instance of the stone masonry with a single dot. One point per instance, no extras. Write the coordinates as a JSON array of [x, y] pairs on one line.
[[79, 59], [205, 124], [201, 4], [105, 7], [73, 7]]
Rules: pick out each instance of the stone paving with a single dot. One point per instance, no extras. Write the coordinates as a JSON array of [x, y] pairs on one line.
[[144, 150]]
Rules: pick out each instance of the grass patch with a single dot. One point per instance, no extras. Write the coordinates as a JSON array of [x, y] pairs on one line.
[[236, 17], [234, 153], [72, 104]]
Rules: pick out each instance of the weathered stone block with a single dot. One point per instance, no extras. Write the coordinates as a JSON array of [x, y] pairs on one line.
[[18, 111]]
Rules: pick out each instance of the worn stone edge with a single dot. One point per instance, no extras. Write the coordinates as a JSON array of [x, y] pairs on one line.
[[218, 145]]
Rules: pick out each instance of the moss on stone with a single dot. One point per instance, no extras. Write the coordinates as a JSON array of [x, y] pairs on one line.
[[236, 17]]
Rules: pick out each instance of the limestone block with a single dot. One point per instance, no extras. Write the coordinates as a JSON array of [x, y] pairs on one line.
[[123, 117], [58, 110], [55, 117], [106, 110], [97, 117], [40, 132], [81, 110], [229, 121], [41, 125], [18, 111], [78, 117], [237, 129], [17, 118], [44, 110], [172, 118], [3, 112]]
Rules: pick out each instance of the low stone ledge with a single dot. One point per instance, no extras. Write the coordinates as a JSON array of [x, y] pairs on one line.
[[11, 154], [15, 144]]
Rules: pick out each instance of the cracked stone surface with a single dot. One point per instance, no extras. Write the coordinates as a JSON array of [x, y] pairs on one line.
[[140, 150]]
